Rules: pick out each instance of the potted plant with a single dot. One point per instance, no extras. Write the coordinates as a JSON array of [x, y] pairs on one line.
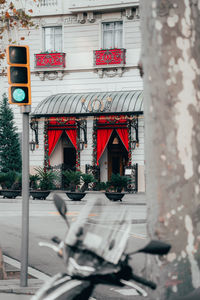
[[11, 184], [42, 183], [72, 181], [34, 181], [117, 183], [87, 179]]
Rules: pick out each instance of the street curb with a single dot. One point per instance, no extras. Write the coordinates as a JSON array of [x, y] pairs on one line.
[[13, 286], [71, 202], [129, 199]]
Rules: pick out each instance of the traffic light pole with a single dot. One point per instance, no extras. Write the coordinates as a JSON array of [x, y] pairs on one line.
[[25, 110]]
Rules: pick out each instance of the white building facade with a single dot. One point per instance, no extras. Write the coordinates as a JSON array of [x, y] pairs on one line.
[[86, 87]]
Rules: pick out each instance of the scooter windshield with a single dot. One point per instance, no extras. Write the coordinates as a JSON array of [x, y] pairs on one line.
[[97, 231]]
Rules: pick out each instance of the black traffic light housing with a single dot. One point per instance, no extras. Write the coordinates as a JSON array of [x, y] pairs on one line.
[[19, 75]]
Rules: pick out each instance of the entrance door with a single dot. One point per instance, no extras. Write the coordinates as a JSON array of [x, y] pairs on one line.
[[69, 158], [117, 156]]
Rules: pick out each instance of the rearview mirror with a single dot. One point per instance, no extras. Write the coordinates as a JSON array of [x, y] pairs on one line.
[[60, 205], [156, 248]]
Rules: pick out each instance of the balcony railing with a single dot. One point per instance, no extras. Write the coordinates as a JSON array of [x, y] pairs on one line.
[[50, 60], [109, 57]]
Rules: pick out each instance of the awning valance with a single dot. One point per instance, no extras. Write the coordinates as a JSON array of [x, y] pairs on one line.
[[72, 104]]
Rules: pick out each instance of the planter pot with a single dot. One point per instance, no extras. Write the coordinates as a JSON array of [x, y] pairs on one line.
[[41, 195], [114, 196], [10, 193], [76, 196]]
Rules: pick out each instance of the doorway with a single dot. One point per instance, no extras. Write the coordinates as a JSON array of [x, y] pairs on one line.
[[117, 155], [69, 158]]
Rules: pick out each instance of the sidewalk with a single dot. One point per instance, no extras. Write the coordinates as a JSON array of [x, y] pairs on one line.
[[10, 288]]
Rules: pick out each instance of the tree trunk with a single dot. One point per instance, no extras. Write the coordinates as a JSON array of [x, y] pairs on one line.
[[171, 65]]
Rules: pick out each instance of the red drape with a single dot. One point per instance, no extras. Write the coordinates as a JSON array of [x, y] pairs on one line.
[[53, 137], [72, 134], [55, 134], [103, 136], [123, 134]]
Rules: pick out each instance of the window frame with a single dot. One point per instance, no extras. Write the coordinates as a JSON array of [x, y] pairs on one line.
[[44, 37], [122, 33]]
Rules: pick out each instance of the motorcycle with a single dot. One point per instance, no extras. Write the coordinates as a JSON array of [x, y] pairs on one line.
[[93, 255]]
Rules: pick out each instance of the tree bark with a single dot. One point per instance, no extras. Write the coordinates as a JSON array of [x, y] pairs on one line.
[[171, 64]]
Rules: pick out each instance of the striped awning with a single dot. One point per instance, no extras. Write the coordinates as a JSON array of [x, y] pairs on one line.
[[68, 104]]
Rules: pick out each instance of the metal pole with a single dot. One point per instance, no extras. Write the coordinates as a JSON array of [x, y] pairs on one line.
[[25, 196]]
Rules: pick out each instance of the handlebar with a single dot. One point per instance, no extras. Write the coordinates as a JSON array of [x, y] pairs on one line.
[[57, 249]]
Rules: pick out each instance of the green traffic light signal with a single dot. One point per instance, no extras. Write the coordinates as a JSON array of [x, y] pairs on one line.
[[19, 95], [19, 75]]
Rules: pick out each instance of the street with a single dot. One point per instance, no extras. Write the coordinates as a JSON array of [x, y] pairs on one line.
[[45, 222]]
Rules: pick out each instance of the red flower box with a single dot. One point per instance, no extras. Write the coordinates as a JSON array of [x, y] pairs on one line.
[[107, 57], [50, 60]]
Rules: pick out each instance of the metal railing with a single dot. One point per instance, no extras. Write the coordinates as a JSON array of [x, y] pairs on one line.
[[133, 185], [95, 171]]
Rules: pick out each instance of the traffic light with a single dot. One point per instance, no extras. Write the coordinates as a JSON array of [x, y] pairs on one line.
[[19, 75]]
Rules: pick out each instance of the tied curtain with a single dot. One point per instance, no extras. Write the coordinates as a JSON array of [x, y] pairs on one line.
[[103, 136], [55, 130], [53, 137], [105, 130]]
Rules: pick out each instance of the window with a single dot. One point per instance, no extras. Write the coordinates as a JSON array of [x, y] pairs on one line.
[[112, 35], [48, 2], [53, 39]]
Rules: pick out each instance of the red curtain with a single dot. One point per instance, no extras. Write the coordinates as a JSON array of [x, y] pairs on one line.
[[54, 133], [53, 137], [123, 134], [103, 136], [72, 134]]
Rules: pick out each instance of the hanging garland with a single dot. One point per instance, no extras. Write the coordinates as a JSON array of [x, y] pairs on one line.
[[46, 145], [78, 150], [129, 144], [94, 143]]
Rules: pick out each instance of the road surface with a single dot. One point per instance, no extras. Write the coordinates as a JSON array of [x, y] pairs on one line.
[[45, 222]]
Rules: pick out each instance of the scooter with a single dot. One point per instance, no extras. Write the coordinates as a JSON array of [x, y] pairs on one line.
[[93, 256]]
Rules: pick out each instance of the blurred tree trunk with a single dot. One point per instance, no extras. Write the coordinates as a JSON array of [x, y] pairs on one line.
[[171, 65]]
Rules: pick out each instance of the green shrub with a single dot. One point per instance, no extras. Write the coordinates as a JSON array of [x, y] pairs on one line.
[[87, 179], [46, 178], [17, 185], [118, 182], [7, 179], [71, 179], [99, 186], [34, 181]]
